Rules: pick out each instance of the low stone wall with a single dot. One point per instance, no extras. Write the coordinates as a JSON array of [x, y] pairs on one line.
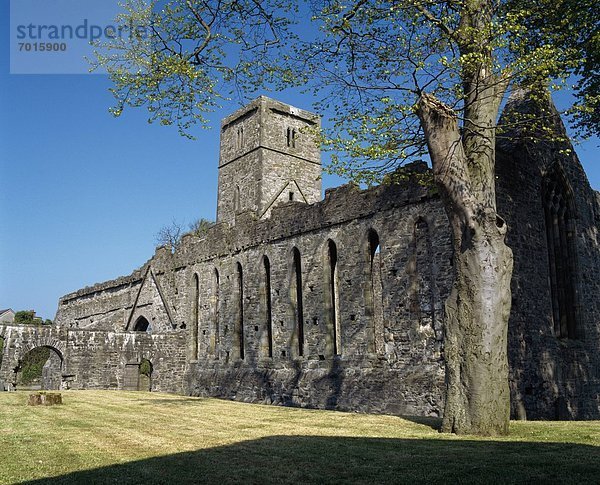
[[97, 359], [369, 385]]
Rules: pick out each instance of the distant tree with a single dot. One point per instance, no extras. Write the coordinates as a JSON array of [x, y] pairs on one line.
[[27, 317], [146, 368], [48, 322], [200, 226], [171, 235]]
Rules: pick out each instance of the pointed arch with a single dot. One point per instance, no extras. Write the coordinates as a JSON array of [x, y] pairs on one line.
[[267, 304], [559, 217], [332, 297], [374, 289], [297, 299], [237, 199], [423, 284], [239, 330], [142, 325], [215, 313], [195, 317]]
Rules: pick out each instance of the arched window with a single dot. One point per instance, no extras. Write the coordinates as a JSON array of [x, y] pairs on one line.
[[423, 282], [1, 349], [268, 307], [236, 199], [560, 236], [240, 137], [373, 291], [215, 313], [142, 325], [297, 299], [195, 318], [240, 322], [333, 297], [290, 137]]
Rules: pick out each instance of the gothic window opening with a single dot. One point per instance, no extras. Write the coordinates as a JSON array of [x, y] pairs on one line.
[[423, 295], [240, 325], [215, 312], [268, 306], [560, 235], [195, 318], [374, 293], [291, 196], [297, 300], [142, 325], [333, 297]]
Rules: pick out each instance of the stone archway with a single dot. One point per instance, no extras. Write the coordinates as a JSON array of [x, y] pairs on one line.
[[39, 368]]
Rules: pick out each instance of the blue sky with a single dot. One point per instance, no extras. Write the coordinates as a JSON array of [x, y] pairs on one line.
[[83, 194]]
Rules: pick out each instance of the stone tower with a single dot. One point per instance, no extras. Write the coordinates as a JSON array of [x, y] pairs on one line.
[[269, 154]]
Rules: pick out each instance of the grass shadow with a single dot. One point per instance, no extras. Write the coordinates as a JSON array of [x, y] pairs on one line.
[[325, 460], [431, 422]]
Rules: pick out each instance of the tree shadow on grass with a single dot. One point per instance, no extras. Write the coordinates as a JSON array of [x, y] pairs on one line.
[[433, 423], [308, 459]]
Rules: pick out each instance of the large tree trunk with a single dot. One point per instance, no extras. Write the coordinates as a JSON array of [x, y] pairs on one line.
[[477, 311], [475, 345]]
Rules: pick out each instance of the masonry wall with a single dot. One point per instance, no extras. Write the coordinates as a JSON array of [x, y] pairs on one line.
[[339, 304], [389, 308], [93, 359], [268, 154], [552, 376], [97, 359]]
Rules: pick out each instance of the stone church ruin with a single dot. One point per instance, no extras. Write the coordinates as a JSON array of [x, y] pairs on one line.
[[337, 303]]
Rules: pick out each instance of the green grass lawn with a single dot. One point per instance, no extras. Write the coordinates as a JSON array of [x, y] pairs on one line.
[[135, 437]]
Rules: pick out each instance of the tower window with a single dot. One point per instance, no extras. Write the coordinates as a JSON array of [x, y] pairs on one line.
[[236, 199], [240, 137], [291, 195], [291, 137]]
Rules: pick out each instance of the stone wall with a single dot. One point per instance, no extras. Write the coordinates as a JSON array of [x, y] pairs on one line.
[[97, 359], [388, 355], [552, 375], [93, 359], [339, 303]]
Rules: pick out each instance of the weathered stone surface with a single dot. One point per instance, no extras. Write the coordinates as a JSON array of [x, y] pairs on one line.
[[336, 303], [44, 399]]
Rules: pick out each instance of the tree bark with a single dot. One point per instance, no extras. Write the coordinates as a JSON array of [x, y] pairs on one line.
[[477, 310]]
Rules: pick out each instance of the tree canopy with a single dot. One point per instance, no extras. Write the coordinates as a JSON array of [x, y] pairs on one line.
[[368, 62], [171, 235], [27, 317]]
